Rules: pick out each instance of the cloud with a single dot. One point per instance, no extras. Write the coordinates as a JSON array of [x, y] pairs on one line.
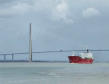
[[90, 12], [22, 6], [18, 8], [61, 12]]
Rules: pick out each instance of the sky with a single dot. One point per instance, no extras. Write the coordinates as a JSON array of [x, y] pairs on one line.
[[56, 24]]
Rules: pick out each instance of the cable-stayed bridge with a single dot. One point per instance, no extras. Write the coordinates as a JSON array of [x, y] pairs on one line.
[[30, 52], [13, 54]]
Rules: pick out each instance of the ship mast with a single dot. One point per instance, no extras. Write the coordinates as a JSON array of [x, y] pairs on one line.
[[30, 45]]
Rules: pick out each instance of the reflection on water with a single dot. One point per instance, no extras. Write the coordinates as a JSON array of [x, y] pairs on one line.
[[54, 73]]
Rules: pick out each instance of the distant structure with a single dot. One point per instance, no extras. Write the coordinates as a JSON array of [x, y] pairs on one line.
[[29, 52], [30, 44]]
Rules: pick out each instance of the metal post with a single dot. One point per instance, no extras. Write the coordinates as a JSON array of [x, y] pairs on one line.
[[30, 45]]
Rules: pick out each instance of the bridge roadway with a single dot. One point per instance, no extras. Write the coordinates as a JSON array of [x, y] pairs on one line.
[[58, 51]]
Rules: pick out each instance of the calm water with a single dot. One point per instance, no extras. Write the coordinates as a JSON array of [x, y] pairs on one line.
[[54, 73]]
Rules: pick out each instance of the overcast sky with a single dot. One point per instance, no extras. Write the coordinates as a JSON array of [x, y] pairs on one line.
[[56, 24]]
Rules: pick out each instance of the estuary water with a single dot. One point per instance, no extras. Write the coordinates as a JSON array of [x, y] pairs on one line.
[[54, 73]]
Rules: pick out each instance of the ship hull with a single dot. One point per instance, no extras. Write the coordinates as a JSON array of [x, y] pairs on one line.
[[79, 60]]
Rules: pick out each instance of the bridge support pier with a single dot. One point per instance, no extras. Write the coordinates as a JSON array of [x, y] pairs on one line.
[[4, 57], [12, 57]]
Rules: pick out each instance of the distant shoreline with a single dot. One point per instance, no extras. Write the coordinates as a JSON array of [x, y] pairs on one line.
[[17, 61], [39, 61]]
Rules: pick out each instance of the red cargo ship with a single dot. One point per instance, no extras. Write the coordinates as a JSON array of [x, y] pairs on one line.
[[83, 58]]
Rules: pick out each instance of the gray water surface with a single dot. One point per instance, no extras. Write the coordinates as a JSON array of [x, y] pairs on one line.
[[54, 73]]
